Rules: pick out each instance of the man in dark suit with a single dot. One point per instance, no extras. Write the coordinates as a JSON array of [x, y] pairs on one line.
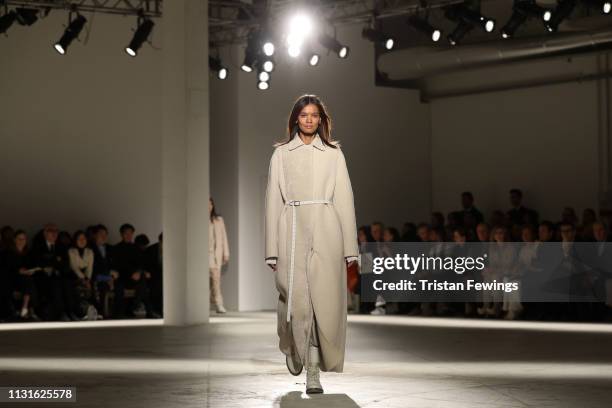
[[518, 214], [127, 262], [52, 282], [469, 210], [106, 278]]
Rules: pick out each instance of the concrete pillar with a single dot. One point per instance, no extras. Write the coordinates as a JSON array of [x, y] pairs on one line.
[[185, 161]]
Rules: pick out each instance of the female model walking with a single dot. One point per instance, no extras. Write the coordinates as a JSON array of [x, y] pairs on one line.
[[310, 236], [218, 255]]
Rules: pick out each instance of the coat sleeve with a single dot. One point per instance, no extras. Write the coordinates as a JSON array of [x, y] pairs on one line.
[[274, 205], [345, 206], [224, 242]]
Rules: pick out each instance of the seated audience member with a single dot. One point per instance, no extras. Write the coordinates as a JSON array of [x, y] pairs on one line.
[[126, 258], [423, 232], [105, 277], [585, 230], [19, 267], [81, 261], [51, 283]]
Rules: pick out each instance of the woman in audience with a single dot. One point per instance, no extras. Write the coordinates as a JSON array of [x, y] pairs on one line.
[[526, 255], [20, 268], [81, 260]]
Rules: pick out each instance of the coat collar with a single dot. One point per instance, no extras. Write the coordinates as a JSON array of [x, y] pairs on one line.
[[297, 142]]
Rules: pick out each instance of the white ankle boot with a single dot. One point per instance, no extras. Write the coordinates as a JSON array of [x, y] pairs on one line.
[[313, 385]]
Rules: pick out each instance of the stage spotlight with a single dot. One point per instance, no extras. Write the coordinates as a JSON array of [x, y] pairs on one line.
[[333, 45], [145, 26], [263, 85], [561, 12], [268, 48], [7, 20], [379, 37], [214, 64], [250, 53], [467, 15], [299, 29], [602, 5], [26, 16], [521, 11], [264, 76], [313, 59], [459, 32], [423, 26], [72, 31], [268, 65]]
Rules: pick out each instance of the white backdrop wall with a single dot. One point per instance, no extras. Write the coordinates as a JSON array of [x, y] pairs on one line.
[[81, 132]]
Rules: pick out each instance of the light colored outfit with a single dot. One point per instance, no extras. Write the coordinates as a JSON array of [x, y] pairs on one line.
[[321, 236], [218, 251], [82, 266]]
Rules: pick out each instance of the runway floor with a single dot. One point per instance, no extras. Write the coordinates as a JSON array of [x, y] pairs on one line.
[[391, 361]]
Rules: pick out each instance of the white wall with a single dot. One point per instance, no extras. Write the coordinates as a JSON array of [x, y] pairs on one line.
[[80, 133], [542, 139]]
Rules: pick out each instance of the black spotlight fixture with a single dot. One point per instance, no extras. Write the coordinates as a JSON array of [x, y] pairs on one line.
[[26, 16], [423, 26], [75, 26], [521, 11], [214, 64], [459, 32], [7, 20], [378, 36], [141, 35], [465, 14], [561, 12], [250, 53], [605, 6], [334, 45]]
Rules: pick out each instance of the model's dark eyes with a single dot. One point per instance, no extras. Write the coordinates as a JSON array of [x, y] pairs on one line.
[[314, 115]]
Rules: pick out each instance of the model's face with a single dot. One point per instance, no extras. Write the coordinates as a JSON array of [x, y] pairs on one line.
[[309, 119]]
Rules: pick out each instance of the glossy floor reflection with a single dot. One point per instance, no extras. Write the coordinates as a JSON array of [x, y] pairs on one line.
[[391, 361]]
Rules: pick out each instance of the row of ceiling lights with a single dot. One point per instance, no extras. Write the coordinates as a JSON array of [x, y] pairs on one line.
[[76, 23]]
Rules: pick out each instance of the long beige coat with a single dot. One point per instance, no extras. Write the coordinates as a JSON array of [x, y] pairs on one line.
[[218, 247], [325, 235]]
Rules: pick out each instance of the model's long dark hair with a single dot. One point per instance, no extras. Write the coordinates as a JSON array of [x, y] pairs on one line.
[[325, 128], [213, 212]]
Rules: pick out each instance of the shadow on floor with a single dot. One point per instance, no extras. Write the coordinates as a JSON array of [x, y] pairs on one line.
[[297, 399]]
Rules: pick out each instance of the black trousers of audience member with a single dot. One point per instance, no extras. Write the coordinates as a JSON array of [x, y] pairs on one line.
[[142, 294], [118, 307], [7, 309], [50, 288]]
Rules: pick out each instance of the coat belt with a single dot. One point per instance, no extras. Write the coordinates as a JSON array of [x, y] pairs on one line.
[[296, 203]]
